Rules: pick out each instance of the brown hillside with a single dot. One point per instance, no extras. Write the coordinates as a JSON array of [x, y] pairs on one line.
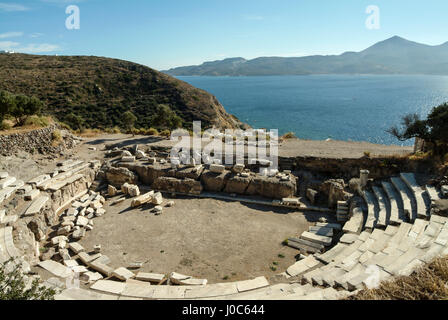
[[102, 89]]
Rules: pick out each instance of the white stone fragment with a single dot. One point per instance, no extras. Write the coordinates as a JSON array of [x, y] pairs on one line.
[[6, 182], [217, 168], [157, 199], [82, 221], [123, 274]]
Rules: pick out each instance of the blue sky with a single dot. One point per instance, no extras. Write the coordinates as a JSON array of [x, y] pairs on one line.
[[169, 33]]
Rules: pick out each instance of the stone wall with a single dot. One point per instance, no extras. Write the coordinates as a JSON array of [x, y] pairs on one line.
[[349, 168], [36, 141]]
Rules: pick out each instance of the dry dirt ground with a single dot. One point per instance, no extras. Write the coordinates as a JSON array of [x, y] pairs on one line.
[[204, 238], [288, 148]]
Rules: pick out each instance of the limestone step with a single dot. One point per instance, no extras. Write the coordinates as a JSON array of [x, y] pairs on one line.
[[277, 291], [356, 222], [6, 182], [323, 240], [371, 278], [55, 268], [433, 194], [36, 206], [351, 247], [403, 261], [384, 207], [83, 294], [39, 180], [372, 210], [321, 231], [335, 226], [32, 194], [397, 214], [329, 256], [342, 281], [419, 194], [302, 266], [6, 193], [11, 249], [305, 246], [332, 275], [406, 197]]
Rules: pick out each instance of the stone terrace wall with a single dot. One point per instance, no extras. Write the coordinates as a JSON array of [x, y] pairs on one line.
[[349, 168], [39, 140]]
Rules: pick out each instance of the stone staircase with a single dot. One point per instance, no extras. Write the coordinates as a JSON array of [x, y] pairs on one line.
[[399, 234]]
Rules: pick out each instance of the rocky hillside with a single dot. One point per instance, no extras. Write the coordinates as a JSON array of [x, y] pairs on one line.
[[100, 90]]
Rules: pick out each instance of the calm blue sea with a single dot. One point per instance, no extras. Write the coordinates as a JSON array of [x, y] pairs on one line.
[[340, 107]]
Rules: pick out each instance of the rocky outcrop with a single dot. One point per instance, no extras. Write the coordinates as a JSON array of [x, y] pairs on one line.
[[41, 141], [272, 187], [238, 184], [148, 174], [170, 184], [215, 182], [119, 176], [334, 189]]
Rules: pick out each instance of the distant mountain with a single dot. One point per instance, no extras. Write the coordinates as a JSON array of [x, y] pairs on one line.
[[392, 56]]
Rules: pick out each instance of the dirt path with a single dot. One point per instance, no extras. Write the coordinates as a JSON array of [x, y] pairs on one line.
[[289, 148]]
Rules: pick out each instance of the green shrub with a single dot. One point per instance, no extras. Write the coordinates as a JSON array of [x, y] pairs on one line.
[[13, 285], [74, 121], [165, 133], [152, 132], [129, 120], [165, 117], [37, 121], [56, 137], [5, 125]]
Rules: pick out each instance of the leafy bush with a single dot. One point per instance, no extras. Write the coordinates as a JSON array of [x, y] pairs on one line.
[[165, 133], [37, 121], [75, 122], [152, 132], [166, 118], [434, 129], [18, 106], [13, 285], [129, 120]]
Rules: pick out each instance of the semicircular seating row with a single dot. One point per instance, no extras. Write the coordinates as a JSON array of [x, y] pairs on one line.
[[360, 258], [396, 235], [257, 288]]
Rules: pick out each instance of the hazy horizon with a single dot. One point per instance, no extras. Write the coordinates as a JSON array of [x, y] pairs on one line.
[[167, 34]]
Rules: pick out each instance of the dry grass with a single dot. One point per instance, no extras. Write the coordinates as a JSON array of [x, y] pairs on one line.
[[289, 135], [56, 138], [89, 133], [32, 123], [430, 282]]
